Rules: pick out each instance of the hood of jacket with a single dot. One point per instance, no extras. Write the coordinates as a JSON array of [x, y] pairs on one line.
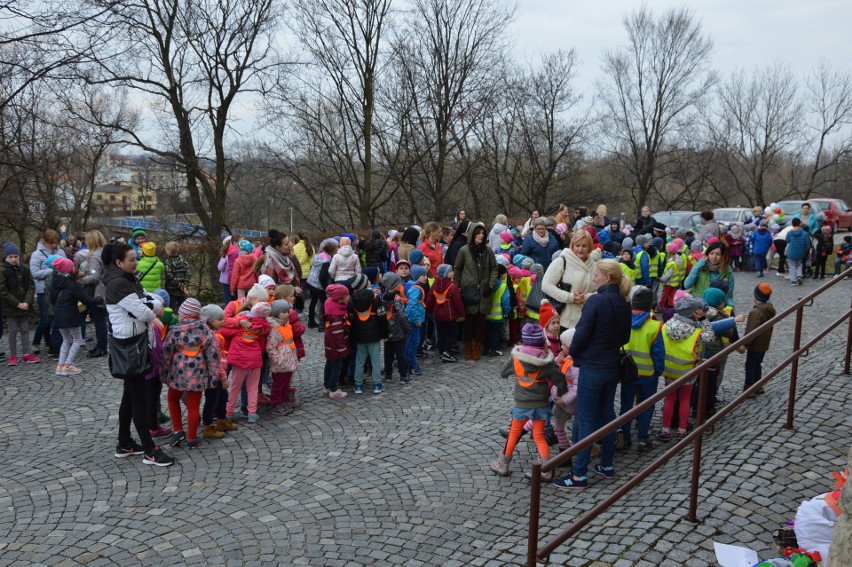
[[345, 251], [531, 363], [681, 328], [193, 331], [574, 260], [362, 300], [61, 282], [499, 229], [473, 227], [639, 318]]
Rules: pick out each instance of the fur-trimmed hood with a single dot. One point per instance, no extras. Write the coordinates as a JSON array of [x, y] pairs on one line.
[[529, 360]]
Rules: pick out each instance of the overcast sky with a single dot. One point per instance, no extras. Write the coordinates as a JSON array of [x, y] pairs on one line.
[[745, 33]]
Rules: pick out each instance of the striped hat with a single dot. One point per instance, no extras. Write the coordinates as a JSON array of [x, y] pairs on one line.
[[532, 335], [190, 309]]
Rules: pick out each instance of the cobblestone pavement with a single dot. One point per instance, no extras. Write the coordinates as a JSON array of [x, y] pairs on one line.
[[400, 478]]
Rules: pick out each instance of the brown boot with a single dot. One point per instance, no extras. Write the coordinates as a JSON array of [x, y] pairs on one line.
[[468, 345], [477, 349], [225, 425], [211, 432]]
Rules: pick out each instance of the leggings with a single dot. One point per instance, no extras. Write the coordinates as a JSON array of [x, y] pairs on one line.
[[18, 325], [193, 409], [446, 336], [153, 389], [215, 400], [132, 408], [682, 395], [474, 327], [251, 376], [515, 431], [317, 296], [280, 387], [72, 338]]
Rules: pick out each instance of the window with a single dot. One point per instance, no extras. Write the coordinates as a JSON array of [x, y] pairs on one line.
[[112, 197]]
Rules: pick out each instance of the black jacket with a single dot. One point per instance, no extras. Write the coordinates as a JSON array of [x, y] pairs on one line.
[[64, 295], [16, 286], [376, 252], [603, 328], [375, 327]]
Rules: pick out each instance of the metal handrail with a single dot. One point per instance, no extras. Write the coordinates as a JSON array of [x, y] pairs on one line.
[[536, 554]]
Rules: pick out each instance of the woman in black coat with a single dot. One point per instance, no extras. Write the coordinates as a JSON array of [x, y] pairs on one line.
[[459, 240], [376, 251]]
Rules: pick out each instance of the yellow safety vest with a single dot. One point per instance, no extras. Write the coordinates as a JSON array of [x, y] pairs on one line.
[[639, 345], [631, 273], [729, 312], [496, 304], [678, 272], [680, 355], [653, 265]]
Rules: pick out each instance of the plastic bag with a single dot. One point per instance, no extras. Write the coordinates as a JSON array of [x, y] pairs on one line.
[[814, 525]]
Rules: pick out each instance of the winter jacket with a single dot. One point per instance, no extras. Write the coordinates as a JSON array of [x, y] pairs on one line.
[[243, 275], [810, 224], [16, 286], [283, 357], [569, 269], [798, 242], [643, 225], [247, 345], [398, 325], [760, 314], [415, 309], [668, 273], [493, 238], [230, 258], [482, 277], [177, 274], [376, 252], [316, 267], [707, 231], [761, 241], [540, 254], [302, 257], [90, 277], [435, 255], [724, 327], [569, 397], [614, 235], [451, 307], [298, 330], [701, 275], [130, 308], [538, 394], [344, 265], [336, 331], [39, 271], [64, 295], [603, 328], [150, 270], [190, 357], [374, 328]]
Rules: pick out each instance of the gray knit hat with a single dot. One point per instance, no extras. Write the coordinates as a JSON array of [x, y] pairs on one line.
[[642, 239], [211, 313], [689, 305], [279, 306], [390, 281]]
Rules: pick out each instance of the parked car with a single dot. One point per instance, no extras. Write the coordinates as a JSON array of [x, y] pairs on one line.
[[687, 220], [793, 208], [733, 215], [837, 213]]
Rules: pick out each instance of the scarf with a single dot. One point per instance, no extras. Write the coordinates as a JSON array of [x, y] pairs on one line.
[[478, 251], [283, 270], [542, 240]]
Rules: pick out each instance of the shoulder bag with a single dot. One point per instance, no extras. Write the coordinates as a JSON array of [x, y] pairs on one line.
[[472, 295], [628, 371], [130, 357], [564, 286]]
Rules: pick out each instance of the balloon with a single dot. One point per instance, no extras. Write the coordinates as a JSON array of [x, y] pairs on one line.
[[767, 210]]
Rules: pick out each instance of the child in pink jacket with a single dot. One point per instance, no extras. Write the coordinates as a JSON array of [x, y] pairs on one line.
[[565, 406]]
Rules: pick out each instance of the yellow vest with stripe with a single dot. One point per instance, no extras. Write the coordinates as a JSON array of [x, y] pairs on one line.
[[680, 355], [639, 345], [729, 312], [678, 272], [631, 273], [653, 265], [496, 303]]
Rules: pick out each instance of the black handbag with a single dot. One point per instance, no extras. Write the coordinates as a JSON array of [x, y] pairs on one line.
[[472, 295], [629, 372], [130, 357]]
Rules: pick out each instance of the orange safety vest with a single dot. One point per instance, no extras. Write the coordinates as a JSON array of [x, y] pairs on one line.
[[191, 352], [525, 379], [365, 318], [441, 297], [163, 332], [422, 294], [221, 344], [566, 365], [286, 336]]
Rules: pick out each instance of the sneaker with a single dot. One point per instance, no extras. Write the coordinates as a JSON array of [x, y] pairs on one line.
[[664, 437], [193, 443], [447, 357], [133, 449], [358, 389], [405, 379], [337, 394], [160, 432], [681, 434], [60, 370], [176, 438], [570, 482], [378, 389], [13, 361], [30, 359], [236, 416], [71, 370], [606, 472], [325, 391], [158, 458], [253, 418], [282, 409], [417, 371], [163, 418], [644, 446]]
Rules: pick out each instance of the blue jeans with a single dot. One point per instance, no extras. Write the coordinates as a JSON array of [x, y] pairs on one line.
[[753, 368], [396, 349], [595, 408], [374, 352], [760, 263], [628, 395], [42, 330], [411, 347], [226, 293], [215, 400], [332, 373], [99, 318]]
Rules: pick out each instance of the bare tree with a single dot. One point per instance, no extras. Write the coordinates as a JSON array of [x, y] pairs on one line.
[[660, 76], [758, 124]]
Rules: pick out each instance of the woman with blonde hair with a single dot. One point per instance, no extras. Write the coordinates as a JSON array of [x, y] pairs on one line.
[[90, 278], [569, 277], [602, 220], [602, 330]]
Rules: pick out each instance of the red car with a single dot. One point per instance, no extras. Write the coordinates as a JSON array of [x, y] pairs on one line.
[[837, 213]]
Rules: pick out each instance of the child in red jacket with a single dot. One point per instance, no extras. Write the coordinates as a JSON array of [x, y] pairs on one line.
[[444, 303], [245, 355], [337, 346], [243, 275]]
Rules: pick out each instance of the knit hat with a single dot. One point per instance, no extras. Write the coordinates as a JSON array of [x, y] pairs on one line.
[[518, 260], [361, 282], [627, 242], [714, 296], [658, 243], [642, 239], [392, 233], [137, 232], [515, 273], [444, 270], [681, 294], [245, 247], [48, 262], [261, 309], [532, 335], [561, 228], [688, 305], [372, 273], [226, 240], [588, 221], [764, 224], [527, 263], [416, 272], [164, 295], [278, 307], [337, 291], [545, 313], [826, 229], [415, 257], [675, 246], [259, 292], [391, 281], [10, 248], [641, 298], [537, 269], [63, 265], [265, 281], [507, 237], [721, 284], [501, 260], [567, 336], [345, 241], [211, 313], [763, 292], [190, 309], [351, 237], [149, 249], [775, 227], [695, 246]]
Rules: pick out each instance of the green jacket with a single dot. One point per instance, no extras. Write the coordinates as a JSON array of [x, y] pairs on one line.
[[467, 274], [150, 270]]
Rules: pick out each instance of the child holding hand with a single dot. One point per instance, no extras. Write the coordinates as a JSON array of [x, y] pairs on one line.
[[248, 342]]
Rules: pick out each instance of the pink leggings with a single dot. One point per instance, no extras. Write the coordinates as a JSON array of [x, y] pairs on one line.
[[251, 376], [681, 395]]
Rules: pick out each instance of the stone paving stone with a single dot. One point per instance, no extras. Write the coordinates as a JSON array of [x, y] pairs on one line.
[[401, 478]]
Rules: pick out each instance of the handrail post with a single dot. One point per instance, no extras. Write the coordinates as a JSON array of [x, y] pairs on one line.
[[696, 448], [794, 369], [535, 502]]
